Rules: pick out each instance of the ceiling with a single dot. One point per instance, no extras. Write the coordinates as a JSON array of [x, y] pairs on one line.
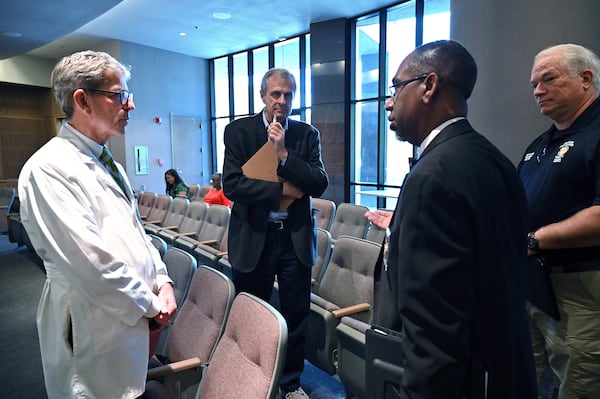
[[52, 29]]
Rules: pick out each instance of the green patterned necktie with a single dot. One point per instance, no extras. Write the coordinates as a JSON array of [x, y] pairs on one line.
[[107, 159]]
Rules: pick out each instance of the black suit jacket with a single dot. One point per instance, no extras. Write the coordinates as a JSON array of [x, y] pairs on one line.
[[253, 200], [454, 283]]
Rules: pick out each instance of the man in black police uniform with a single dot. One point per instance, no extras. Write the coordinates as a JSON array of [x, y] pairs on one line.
[[561, 174]]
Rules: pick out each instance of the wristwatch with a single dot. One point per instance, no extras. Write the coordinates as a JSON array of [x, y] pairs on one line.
[[532, 242]]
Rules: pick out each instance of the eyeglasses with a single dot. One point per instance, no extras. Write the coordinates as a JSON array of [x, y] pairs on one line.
[[124, 95], [394, 88]]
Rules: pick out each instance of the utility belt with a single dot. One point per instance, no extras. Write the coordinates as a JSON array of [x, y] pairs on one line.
[[556, 266]]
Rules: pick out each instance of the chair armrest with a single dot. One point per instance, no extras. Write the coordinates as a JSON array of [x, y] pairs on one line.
[[168, 228], [188, 234], [221, 254], [174, 367], [207, 242], [361, 307], [152, 221]]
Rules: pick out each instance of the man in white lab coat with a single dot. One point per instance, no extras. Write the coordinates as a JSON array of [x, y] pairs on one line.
[[106, 283]]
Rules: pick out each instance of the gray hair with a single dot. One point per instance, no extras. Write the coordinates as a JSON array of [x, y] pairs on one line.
[[577, 59], [281, 72], [84, 69]]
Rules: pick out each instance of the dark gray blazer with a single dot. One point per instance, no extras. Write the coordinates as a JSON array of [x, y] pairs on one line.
[[454, 284], [254, 199]]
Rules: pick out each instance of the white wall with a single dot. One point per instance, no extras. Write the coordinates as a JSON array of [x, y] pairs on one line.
[[163, 82]]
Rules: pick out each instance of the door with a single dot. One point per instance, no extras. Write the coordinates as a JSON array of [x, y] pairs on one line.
[[186, 146]]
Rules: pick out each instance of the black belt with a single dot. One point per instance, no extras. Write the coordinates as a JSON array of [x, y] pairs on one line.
[[276, 225], [576, 268]]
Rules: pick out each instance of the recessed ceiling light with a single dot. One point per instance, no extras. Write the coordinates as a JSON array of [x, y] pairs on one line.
[[182, 34], [221, 15], [12, 34]]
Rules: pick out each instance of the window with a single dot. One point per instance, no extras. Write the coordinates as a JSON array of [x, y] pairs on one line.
[[236, 83], [379, 161]]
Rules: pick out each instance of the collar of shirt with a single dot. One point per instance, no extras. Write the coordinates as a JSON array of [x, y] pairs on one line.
[[94, 148], [435, 132], [267, 123]]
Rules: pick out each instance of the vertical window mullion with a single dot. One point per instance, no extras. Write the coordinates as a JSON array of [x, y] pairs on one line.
[[231, 90]]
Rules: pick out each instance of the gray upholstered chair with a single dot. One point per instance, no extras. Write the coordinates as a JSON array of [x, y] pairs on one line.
[[159, 244], [204, 189], [346, 289], [190, 225], [250, 355], [173, 218], [209, 255], [326, 213], [211, 232], [324, 244], [351, 354], [181, 267], [350, 221], [194, 190], [146, 203], [158, 212], [375, 233], [194, 335]]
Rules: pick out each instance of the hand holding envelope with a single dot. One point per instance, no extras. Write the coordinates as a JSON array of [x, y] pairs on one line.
[[263, 166]]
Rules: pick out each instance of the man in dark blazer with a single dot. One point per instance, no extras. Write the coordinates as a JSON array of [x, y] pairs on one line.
[[264, 240], [453, 280]]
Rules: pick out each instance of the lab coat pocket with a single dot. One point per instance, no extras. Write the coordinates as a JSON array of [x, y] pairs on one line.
[[106, 332]]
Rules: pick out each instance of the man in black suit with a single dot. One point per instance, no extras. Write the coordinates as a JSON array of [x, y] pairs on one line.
[[453, 280], [264, 240]]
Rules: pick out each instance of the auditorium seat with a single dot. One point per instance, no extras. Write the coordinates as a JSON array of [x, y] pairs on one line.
[[197, 329], [346, 289]]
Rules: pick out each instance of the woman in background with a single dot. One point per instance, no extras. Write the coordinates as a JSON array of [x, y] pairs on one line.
[[175, 185], [215, 195]]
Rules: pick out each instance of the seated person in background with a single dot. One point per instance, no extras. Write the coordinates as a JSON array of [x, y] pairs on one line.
[[175, 185], [215, 195]]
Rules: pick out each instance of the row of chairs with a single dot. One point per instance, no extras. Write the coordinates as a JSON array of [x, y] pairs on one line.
[[341, 308], [146, 199], [346, 219], [339, 316], [215, 336], [196, 227]]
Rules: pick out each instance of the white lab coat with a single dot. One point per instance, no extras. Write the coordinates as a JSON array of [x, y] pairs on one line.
[[102, 273]]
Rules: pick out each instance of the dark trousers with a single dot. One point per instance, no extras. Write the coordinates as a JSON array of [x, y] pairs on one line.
[[293, 278]]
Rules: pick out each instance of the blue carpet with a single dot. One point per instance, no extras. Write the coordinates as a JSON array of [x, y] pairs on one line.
[[320, 385]]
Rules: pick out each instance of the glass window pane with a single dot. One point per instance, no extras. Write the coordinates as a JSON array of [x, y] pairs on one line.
[[369, 196], [221, 87], [365, 142], [287, 55], [367, 57], [220, 124], [240, 84], [397, 158], [400, 24], [261, 66], [436, 23]]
